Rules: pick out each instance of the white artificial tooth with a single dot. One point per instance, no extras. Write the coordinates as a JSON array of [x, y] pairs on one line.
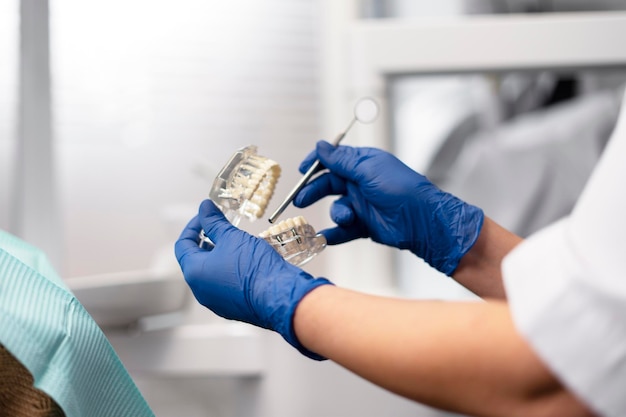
[[249, 192], [264, 234], [275, 230], [290, 224], [259, 201], [275, 172], [266, 192]]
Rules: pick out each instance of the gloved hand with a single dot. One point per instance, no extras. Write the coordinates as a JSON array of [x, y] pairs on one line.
[[242, 277], [385, 200]]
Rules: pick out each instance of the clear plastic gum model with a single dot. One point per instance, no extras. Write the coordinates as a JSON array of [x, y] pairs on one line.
[[295, 240], [244, 187]]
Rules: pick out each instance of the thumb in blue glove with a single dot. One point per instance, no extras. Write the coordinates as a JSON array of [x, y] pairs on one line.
[[385, 200], [242, 277]]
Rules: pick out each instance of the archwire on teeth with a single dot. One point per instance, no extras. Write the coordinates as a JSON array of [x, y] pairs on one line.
[[284, 226]]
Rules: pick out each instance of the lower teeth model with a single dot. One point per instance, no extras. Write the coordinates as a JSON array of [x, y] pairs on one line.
[[295, 240]]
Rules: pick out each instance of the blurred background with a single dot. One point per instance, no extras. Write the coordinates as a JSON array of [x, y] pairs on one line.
[[116, 116]]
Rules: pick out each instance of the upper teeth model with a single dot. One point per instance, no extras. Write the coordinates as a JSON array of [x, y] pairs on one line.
[[245, 185]]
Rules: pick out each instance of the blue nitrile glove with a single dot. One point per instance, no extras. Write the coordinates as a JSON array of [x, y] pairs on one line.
[[242, 277], [384, 199]]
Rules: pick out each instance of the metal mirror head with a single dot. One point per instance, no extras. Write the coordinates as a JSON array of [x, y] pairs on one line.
[[366, 110]]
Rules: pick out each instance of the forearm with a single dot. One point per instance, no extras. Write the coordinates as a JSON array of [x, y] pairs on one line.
[[463, 357], [479, 270]]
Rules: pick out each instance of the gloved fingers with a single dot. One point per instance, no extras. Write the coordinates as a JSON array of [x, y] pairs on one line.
[[188, 240], [213, 221], [322, 186], [191, 230], [341, 160], [307, 162], [341, 212], [338, 235], [325, 147]]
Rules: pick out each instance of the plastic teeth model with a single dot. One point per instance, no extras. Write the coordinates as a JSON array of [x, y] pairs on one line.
[[295, 240], [243, 188], [245, 185]]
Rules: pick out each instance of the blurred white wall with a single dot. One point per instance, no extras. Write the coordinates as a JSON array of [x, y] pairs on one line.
[[148, 92]]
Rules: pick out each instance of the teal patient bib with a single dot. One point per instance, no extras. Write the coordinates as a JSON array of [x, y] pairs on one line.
[[45, 327]]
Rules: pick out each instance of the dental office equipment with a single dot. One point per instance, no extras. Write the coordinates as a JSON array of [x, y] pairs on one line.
[[365, 111], [295, 240]]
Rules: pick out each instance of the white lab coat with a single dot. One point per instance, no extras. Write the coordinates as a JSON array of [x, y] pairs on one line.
[[566, 285]]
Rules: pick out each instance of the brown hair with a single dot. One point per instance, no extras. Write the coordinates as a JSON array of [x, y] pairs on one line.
[[18, 396]]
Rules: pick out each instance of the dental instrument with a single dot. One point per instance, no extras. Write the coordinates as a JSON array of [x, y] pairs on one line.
[[365, 111]]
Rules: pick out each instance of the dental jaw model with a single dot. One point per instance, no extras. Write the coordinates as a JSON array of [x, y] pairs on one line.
[[295, 240], [243, 188]]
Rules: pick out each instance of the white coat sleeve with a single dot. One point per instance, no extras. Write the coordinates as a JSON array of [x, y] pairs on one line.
[[566, 287]]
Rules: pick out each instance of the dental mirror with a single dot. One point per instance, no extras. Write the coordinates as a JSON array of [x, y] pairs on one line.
[[365, 111]]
